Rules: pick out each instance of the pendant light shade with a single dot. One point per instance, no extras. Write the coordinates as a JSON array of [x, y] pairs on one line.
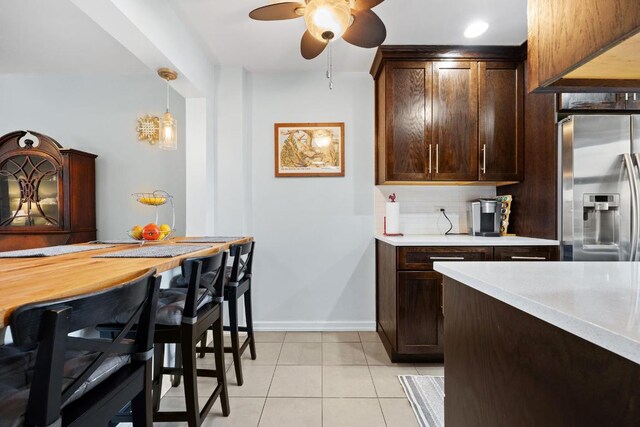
[[168, 132]]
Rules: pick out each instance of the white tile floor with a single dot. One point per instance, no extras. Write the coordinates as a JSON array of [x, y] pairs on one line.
[[314, 379]]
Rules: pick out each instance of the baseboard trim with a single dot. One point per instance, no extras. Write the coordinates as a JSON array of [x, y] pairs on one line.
[[315, 326]]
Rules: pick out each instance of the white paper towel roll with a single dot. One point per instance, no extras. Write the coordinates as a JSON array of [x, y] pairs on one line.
[[393, 218]]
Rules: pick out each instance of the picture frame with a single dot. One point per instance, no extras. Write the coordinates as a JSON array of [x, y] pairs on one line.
[[304, 150]]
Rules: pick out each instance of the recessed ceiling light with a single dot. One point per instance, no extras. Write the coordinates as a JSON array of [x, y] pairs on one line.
[[476, 29]]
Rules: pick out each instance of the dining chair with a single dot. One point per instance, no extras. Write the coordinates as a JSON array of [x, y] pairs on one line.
[[184, 316], [53, 375], [237, 284]]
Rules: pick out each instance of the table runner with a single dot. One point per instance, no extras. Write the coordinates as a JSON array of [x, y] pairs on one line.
[[51, 251], [125, 241], [210, 239], [155, 251]]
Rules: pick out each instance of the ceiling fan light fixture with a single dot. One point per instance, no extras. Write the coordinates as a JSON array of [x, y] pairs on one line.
[[327, 19]]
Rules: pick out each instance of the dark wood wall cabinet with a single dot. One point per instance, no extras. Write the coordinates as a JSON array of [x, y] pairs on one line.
[[442, 121], [583, 45], [409, 293], [47, 193]]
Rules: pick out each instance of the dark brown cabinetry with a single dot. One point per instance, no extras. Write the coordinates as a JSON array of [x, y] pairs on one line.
[[47, 193], [449, 121], [409, 293], [585, 45], [455, 112], [420, 322], [408, 121], [501, 121], [526, 253]]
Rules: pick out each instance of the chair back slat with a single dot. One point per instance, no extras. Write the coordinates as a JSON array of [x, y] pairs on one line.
[[88, 310], [203, 273], [242, 255], [46, 326]]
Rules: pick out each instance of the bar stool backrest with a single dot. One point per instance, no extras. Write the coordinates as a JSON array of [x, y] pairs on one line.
[[203, 273], [242, 255], [47, 325]]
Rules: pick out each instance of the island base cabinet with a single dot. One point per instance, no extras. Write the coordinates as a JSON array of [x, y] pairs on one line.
[[420, 325], [505, 367]]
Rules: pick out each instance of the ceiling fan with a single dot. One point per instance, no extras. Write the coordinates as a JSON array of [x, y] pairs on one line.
[[328, 20]]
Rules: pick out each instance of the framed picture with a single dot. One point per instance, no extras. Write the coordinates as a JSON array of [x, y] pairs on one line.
[[309, 149]]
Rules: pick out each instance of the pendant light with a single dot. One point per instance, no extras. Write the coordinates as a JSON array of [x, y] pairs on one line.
[[168, 133]]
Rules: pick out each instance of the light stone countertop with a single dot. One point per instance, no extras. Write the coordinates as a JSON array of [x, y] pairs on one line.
[[597, 301], [463, 240]]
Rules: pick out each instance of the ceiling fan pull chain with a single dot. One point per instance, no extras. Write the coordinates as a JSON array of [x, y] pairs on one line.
[[330, 67]]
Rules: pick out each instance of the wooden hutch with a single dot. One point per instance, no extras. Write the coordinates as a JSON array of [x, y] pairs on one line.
[[47, 193]]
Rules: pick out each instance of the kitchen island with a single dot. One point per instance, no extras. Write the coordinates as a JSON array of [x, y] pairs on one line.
[[553, 344]]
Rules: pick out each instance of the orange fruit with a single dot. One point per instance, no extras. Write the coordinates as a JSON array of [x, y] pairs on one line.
[[151, 232]]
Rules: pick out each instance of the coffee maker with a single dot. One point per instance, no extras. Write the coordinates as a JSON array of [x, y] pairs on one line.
[[483, 217]]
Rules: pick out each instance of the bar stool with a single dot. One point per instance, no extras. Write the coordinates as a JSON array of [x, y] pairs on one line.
[[238, 284], [184, 316], [51, 378]]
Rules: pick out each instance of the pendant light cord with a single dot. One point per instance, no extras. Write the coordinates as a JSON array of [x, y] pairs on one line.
[[167, 96]]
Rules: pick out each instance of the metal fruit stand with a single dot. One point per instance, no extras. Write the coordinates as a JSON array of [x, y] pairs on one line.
[[157, 199]]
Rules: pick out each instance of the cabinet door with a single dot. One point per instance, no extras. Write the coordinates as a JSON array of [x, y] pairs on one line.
[[455, 117], [501, 124], [419, 312], [526, 253], [590, 101], [408, 121]]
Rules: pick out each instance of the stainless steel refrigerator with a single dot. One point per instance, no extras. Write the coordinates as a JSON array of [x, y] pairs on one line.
[[600, 161]]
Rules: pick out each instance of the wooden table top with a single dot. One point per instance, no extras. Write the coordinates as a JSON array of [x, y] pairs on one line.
[[27, 280]]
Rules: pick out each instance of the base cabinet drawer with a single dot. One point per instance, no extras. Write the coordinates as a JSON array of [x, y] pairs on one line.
[[526, 253], [420, 324], [422, 258]]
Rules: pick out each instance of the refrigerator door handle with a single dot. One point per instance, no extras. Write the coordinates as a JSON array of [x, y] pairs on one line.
[[636, 157], [633, 181]]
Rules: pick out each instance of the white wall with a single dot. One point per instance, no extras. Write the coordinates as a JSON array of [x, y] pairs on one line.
[[314, 266], [98, 115], [233, 152]]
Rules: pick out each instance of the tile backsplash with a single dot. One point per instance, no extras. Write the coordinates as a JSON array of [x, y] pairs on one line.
[[419, 207]]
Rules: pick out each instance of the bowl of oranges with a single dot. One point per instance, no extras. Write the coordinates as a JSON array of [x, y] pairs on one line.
[[151, 232]]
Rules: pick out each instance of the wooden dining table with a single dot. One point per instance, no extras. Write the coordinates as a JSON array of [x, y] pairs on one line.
[[28, 280]]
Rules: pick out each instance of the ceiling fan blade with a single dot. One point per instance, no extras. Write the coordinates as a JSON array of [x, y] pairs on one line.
[[276, 12], [310, 47], [366, 4], [367, 30]]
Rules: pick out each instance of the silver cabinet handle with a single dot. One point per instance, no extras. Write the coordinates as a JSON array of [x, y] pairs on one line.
[[484, 158], [450, 258], [537, 258], [437, 156], [626, 96], [429, 158]]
